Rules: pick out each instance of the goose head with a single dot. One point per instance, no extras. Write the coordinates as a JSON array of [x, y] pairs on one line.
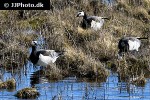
[[80, 14], [34, 43], [60, 53]]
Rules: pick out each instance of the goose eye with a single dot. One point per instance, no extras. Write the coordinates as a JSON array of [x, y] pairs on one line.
[[79, 13], [35, 43]]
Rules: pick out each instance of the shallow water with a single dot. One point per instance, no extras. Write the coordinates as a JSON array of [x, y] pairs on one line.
[[72, 89]]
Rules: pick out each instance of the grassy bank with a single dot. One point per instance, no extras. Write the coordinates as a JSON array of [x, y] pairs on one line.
[[89, 53]]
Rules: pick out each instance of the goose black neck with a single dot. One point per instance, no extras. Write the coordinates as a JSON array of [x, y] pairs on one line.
[[85, 16], [33, 48]]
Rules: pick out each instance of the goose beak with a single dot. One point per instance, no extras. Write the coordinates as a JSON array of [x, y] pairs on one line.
[[105, 18], [77, 15], [61, 53]]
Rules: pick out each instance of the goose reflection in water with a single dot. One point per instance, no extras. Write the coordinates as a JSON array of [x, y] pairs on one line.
[[38, 77]]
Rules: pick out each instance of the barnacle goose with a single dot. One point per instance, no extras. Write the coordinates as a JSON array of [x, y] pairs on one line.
[[94, 22], [43, 57], [126, 44]]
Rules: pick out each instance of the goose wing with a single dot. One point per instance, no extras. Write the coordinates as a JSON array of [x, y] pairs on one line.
[[46, 52], [132, 38], [97, 18]]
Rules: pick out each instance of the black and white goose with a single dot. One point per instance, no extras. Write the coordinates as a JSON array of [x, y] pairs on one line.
[[129, 44], [43, 57], [94, 22]]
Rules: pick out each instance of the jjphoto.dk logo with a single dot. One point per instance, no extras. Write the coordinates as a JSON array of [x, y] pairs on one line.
[[24, 4], [14, 5]]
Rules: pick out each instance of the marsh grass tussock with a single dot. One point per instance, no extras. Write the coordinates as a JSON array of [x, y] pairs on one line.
[[138, 81], [27, 93], [82, 65], [12, 58], [9, 84], [130, 67], [53, 73]]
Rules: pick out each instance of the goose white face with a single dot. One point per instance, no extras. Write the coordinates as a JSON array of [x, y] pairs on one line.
[[80, 14], [54, 54], [34, 43]]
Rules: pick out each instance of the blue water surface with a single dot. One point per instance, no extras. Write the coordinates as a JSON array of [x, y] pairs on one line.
[[72, 89]]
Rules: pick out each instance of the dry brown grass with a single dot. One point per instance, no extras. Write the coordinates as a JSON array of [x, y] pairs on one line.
[[27, 93], [9, 84], [138, 81], [141, 14], [86, 50], [129, 67], [76, 62]]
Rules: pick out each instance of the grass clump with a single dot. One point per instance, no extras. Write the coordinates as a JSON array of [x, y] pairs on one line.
[[27, 93], [53, 73], [9, 84], [103, 48], [141, 14], [81, 65], [130, 67], [138, 81], [12, 58], [123, 7]]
